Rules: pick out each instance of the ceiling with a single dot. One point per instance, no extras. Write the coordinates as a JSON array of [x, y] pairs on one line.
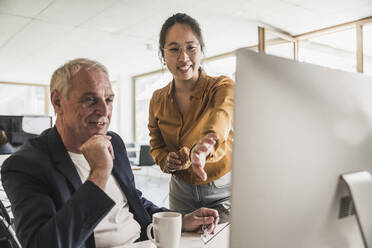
[[38, 36]]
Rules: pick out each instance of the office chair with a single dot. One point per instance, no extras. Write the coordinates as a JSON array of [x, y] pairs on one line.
[[131, 152], [145, 158], [8, 237], [130, 145]]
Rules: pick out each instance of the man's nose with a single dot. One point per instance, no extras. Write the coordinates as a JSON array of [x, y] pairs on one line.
[[102, 108]]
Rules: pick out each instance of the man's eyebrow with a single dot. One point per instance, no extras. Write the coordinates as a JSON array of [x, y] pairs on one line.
[[88, 94], [94, 94]]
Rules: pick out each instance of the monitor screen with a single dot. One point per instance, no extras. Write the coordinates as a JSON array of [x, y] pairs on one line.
[[297, 128], [18, 129]]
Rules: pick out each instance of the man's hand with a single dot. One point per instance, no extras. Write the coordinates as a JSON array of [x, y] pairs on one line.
[[203, 216], [200, 152], [99, 153]]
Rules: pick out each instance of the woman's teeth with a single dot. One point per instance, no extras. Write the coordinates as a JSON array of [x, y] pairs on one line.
[[184, 68]]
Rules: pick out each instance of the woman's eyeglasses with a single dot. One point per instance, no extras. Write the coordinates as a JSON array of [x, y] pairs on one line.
[[175, 51]]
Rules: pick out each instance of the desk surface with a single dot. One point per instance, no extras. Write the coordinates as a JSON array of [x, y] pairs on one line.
[[193, 240], [220, 240]]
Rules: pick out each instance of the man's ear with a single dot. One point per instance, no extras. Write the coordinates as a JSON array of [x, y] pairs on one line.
[[55, 99]]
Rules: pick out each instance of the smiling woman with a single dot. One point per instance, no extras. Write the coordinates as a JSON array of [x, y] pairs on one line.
[[193, 114]]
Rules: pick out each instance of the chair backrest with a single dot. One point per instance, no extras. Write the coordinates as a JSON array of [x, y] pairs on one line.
[[131, 149], [131, 154], [8, 237], [4, 213], [145, 158], [130, 145]]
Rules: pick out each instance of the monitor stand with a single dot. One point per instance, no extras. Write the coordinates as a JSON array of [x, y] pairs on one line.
[[360, 187]]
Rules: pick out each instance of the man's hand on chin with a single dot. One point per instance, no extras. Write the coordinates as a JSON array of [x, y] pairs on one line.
[[193, 222], [99, 153]]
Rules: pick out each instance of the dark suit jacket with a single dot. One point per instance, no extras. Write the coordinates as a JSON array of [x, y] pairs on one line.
[[51, 206]]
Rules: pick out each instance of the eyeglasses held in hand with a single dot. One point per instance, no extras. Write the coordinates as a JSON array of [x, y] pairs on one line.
[[206, 237]]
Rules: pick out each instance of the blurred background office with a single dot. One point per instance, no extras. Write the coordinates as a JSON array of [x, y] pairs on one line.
[[38, 36], [5, 146]]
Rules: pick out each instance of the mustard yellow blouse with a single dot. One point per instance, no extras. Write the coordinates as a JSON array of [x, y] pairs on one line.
[[211, 110]]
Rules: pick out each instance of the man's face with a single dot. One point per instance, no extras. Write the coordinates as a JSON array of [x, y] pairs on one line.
[[87, 108]]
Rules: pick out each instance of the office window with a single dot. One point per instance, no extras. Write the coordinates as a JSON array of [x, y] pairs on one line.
[[367, 48], [283, 49], [335, 50], [144, 87], [114, 124], [224, 66], [22, 99]]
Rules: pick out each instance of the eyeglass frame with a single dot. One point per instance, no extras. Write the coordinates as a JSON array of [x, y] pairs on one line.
[[182, 48]]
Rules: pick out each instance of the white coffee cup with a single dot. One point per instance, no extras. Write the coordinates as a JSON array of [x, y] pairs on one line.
[[166, 228]]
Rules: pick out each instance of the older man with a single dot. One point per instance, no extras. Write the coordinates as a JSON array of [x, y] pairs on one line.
[[73, 186]]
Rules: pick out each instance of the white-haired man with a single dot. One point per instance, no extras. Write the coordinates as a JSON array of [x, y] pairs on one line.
[[73, 186]]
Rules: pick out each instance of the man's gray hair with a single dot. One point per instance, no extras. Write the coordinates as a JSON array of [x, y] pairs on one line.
[[61, 78]]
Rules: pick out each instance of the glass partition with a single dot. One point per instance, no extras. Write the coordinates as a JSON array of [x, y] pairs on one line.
[[144, 87], [367, 48], [283, 49], [335, 50]]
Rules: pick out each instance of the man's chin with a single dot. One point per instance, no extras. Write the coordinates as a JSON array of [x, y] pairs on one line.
[[97, 131], [103, 132]]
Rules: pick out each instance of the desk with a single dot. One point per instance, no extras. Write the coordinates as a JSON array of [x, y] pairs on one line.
[[153, 183], [193, 240]]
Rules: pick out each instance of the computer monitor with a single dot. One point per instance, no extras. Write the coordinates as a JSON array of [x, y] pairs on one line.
[[20, 128], [297, 128]]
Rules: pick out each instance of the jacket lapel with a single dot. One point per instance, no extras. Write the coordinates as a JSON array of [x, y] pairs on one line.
[[62, 160], [121, 175]]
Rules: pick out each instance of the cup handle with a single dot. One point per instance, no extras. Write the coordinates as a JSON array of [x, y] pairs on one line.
[[149, 236]]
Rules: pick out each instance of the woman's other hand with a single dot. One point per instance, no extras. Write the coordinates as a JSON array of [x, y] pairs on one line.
[[173, 162]]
